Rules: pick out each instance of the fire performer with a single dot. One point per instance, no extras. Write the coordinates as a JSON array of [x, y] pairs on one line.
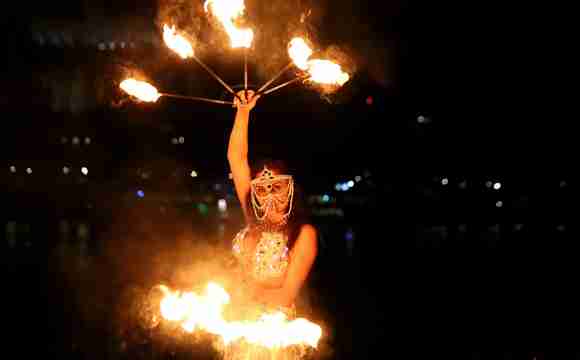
[[277, 248]]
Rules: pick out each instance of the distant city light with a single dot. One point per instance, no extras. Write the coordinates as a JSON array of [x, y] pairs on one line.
[[65, 170], [88, 140], [193, 174], [444, 181], [357, 178], [338, 187], [349, 235], [29, 171], [325, 198], [140, 193], [75, 140], [350, 183], [563, 184], [13, 169], [423, 119], [499, 204], [369, 100], [463, 184], [85, 170], [174, 141], [222, 205], [488, 184], [344, 187], [497, 186], [63, 140], [203, 208], [181, 140]]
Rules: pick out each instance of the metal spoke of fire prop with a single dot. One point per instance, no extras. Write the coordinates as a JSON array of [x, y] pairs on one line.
[[324, 72]]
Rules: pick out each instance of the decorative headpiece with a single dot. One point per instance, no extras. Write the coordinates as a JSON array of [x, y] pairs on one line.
[[269, 191]]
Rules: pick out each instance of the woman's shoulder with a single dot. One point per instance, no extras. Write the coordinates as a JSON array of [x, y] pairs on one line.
[[307, 236], [307, 241], [241, 234], [308, 230], [238, 240]]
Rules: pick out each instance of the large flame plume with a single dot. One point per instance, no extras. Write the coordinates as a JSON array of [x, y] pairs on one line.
[[204, 312], [321, 71], [227, 11], [140, 89], [176, 42]]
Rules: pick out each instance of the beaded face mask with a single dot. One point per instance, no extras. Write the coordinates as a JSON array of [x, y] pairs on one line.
[[271, 192]]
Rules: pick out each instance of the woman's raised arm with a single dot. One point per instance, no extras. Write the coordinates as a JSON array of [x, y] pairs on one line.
[[238, 148]]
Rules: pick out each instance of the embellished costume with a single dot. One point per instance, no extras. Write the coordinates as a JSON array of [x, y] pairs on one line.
[[269, 258]]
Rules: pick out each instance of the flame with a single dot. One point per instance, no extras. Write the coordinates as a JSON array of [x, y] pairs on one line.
[[227, 11], [320, 71], [299, 52], [140, 89], [271, 330], [326, 72], [176, 42]]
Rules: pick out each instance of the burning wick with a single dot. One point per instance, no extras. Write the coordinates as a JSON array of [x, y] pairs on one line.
[[321, 71], [299, 52], [326, 72], [227, 11], [140, 89], [183, 48], [177, 42], [148, 93]]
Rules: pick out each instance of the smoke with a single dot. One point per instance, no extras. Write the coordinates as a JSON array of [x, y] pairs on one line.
[[118, 73], [274, 24], [186, 16], [113, 295]]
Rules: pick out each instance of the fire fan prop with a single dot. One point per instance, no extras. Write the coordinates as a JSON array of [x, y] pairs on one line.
[[318, 71]]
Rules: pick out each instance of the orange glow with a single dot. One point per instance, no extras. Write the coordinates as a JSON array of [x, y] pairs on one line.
[[326, 72], [204, 312], [140, 89], [299, 52], [227, 11], [323, 72], [176, 42]]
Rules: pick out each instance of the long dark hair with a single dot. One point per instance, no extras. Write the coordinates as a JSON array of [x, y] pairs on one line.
[[300, 214]]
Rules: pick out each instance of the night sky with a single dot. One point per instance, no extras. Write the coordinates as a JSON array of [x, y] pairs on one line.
[[412, 58]]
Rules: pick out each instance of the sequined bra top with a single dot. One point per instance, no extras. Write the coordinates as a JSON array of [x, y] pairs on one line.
[[270, 258]]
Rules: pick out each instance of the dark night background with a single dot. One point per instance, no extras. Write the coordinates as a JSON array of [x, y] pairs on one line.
[[455, 240]]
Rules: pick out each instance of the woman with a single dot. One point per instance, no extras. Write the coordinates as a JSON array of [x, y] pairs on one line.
[[275, 250]]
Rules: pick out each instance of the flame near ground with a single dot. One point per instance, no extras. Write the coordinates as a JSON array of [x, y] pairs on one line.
[[205, 312]]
